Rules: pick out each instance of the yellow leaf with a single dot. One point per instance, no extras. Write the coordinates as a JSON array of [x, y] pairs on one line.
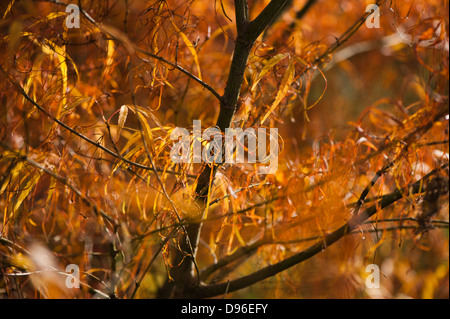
[[51, 16], [51, 191], [146, 130], [26, 191], [268, 66], [79, 101], [8, 8], [14, 173], [22, 261], [147, 113], [131, 140], [183, 200], [109, 62], [239, 237], [50, 48], [190, 47], [288, 78]]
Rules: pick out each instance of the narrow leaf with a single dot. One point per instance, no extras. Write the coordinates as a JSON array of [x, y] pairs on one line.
[[8, 8], [26, 191], [268, 66], [147, 131], [288, 78], [190, 47]]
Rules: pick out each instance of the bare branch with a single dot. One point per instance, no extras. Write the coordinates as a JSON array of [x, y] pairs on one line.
[[248, 250]]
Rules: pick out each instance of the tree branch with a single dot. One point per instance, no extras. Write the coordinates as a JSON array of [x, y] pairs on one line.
[[259, 24], [227, 259], [253, 247], [182, 70], [247, 35], [8, 243], [241, 8], [206, 291], [348, 33], [300, 14]]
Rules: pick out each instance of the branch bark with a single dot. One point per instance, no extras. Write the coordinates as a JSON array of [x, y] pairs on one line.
[[241, 8], [247, 33]]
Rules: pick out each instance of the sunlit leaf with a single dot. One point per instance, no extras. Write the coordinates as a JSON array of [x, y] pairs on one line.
[[190, 47], [147, 131], [288, 78], [268, 67]]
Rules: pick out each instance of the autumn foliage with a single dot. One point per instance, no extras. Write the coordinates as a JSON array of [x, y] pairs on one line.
[[87, 179]]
